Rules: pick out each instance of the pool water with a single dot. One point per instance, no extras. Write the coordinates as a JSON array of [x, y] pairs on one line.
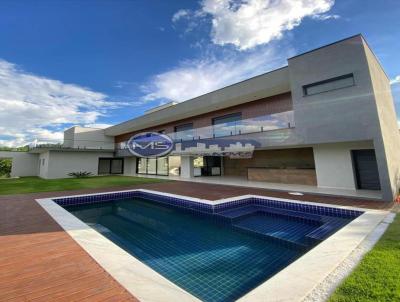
[[213, 261]]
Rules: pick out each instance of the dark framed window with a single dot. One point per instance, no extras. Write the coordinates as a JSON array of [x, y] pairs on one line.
[[111, 166], [184, 132], [340, 82], [184, 127], [227, 119], [227, 124]]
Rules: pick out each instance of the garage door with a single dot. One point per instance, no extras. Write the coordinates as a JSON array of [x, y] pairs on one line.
[[366, 169]]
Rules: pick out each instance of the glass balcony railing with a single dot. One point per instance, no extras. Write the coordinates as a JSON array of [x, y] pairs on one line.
[[282, 120]]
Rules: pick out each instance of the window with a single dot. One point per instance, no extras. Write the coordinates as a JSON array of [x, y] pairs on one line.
[[111, 166], [184, 132], [184, 127], [227, 125], [229, 118], [328, 85]]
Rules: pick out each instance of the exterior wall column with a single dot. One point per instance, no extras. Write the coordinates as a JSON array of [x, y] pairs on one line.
[[187, 166]]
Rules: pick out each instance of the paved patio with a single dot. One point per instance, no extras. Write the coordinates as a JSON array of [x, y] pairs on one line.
[[243, 181], [40, 262]]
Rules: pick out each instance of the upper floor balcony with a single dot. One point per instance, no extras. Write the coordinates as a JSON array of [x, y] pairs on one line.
[[264, 123]]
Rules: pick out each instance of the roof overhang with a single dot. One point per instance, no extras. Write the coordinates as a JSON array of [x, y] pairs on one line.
[[262, 86]]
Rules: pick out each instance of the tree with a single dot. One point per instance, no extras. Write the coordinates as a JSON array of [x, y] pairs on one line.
[[5, 167]]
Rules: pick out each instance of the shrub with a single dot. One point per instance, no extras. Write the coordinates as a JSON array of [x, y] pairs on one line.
[[80, 174], [5, 167]]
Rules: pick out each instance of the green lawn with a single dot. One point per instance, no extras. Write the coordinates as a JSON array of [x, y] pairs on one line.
[[34, 184], [377, 277]]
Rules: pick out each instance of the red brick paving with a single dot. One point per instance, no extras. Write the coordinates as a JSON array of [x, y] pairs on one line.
[[41, 262]]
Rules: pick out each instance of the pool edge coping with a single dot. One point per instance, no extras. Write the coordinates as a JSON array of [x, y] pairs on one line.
[[142, 285]]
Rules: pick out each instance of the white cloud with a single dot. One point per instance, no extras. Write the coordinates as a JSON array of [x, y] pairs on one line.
[[31, 106], [395, 80], [180, 14], [100, 126], [324, 17], [249, 23], [197, 77]]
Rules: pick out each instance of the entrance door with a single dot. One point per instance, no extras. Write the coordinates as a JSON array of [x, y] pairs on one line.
[[366, 169]]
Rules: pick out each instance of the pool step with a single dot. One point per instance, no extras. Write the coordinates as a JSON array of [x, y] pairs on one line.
[[302, 246], [238, 212], [324, 231], [277, 228], [241, 212], [250, 218]]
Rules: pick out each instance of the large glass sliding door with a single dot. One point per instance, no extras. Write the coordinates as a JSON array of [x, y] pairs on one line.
[[141, 166], [174, 165], [162, 166], [152, 166], [111, 166]]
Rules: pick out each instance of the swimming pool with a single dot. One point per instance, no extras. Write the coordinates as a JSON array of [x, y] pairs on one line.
[[215, 252]]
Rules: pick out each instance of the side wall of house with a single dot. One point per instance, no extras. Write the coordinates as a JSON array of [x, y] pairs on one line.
[[23, 163], [62, 163], [388, 143], [334, 166], [360, 112], [92, 138], [87, 138], [336, 115]]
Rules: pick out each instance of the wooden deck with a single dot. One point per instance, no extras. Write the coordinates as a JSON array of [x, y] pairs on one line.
[[40, 262]]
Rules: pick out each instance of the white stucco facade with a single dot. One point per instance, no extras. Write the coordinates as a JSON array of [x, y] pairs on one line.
[[58, 164], [23, 163], [334, 166], [87, 138]]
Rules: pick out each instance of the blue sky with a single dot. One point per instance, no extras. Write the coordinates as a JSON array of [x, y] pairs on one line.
[[97, 63]]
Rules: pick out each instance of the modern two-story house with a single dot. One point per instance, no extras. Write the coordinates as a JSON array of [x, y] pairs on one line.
[[326, 120]]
